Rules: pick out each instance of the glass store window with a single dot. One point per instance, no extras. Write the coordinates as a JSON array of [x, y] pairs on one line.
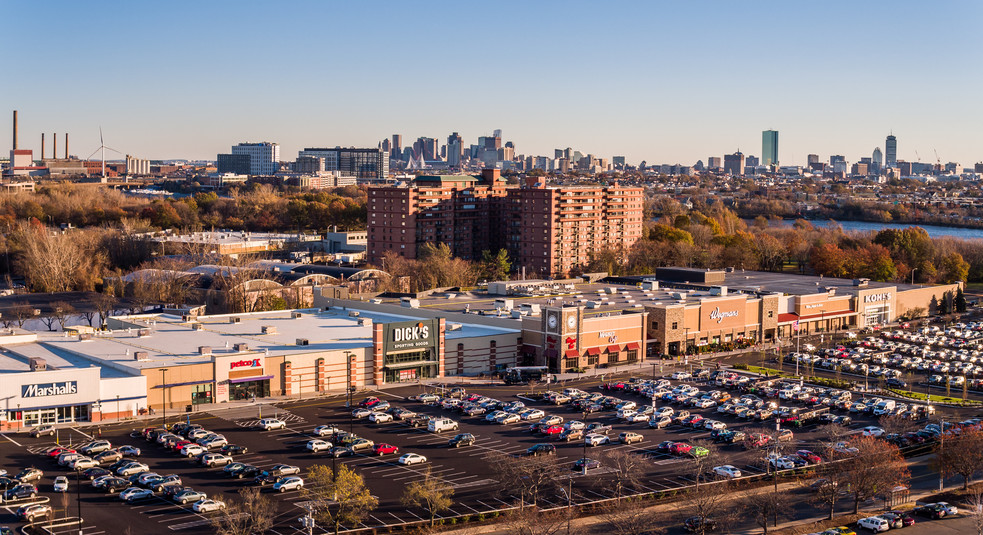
[[201, 394]]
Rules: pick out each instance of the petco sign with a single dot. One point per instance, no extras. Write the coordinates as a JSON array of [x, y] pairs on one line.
[[247, 363], [876, 298], [411, 335], [49, 389]]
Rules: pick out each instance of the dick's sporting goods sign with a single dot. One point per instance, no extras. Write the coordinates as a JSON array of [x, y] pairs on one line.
[[49, 389], [411, 335]]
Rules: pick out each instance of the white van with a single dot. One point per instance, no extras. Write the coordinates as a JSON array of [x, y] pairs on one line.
[[884, 407], [438, 425]]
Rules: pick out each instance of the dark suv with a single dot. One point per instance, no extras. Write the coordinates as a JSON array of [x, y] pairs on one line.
[[541, 449], [463, 439]]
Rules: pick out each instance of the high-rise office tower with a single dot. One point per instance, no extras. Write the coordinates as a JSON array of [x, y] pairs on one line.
[[812, 158], [769, 147], [397, 147], [877, 159], [891, 151], [734, 163], [455, 149], [259, 158]]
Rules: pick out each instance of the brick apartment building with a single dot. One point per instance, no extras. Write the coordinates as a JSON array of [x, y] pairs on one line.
[[546, 230]]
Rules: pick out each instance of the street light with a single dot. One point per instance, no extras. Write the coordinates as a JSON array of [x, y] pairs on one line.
[[78, 495], [163, 393], [913, 275], [585, 442]]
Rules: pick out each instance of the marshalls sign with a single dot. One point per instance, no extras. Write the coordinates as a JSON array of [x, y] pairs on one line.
[[411, 335]]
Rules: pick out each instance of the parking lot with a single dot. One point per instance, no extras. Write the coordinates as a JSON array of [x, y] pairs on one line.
[[466, 469]]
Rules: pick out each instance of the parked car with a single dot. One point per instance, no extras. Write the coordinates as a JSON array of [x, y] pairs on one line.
[[596, 440], [24, 490], [384, 449], [208, 506], [289, 483], [461, 439], [135, 494], [541, 449], [325, 431], [42, 430], [60, 484], [29, 474], [727, 471], [215, 459], [283, 470], [234, 449], [630, 437], [96, 446], [317, 445], [109, 456], [269, 424], [584, 462], [188, 496], [874, 523], [32, 512], [411, 459]]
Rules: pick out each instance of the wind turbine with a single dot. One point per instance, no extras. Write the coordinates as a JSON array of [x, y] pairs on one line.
[[102, 147]]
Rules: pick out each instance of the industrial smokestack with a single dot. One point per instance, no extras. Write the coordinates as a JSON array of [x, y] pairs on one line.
[[66, 146], [54, 145], [42, 145], [15, 129]]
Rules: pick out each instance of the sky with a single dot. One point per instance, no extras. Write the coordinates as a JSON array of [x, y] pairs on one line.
[[664, 82]]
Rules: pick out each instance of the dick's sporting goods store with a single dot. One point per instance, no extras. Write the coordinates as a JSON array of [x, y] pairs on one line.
[[408, 351]]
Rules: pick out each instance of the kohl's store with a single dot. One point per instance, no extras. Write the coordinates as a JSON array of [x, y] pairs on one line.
[[42, 395]]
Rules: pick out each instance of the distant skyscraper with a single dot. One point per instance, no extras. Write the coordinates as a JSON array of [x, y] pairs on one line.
[[557, 153], [877, 159], [752, 161], [264, 158], [455, 149], [714, 162], [812, 158], [734, 163], [891, 151], [769, 147], [397, 147]]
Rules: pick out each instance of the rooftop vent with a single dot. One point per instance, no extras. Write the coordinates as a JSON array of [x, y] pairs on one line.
[[141, 355], [269, 329], [861, 283], [303, 342], [296, 315], [196, 327], [241, 348], [84, 337], [204, 350], [235, 319], [38, 364], [365, 322], [353, 313], [143, 333]]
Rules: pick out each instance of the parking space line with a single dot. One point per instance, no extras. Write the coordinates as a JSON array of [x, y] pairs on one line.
[[10, 439]]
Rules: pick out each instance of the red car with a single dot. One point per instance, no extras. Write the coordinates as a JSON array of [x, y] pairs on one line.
[[58, 451], [552, 430], [809, 456], [180, 444], [369, 401], [680, 448], [382, 449]]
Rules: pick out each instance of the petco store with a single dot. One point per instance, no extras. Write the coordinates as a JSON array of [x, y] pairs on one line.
[[242, 377]]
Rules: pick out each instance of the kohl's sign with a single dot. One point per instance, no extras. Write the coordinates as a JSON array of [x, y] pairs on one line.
[[49, 389], [876, 298], [247, 363]]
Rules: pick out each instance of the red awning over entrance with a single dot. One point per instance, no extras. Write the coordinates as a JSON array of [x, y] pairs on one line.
[[632, 346], [614, 349], [594, 351], [571, 354]]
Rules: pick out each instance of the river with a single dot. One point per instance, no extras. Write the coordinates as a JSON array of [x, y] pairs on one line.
[[865, 226]]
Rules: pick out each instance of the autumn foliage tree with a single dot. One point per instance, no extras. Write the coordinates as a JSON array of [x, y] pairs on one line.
[[961, 454]]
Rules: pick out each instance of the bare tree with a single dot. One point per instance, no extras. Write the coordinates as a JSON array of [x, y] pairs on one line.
[[530, 476], [632, 516], [765, 506], [707, 505], [105, 304], [961, 455], [974, 508], [62, 312], [631, 468], [827, 490], [431, 493], [252, 514], [21, 312], [896, 424], [533, 521], [877, 466], [701, 465]]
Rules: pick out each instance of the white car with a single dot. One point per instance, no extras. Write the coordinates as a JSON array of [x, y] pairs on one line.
[[193, 450], [711, 425], [781, 463], [288, 483], [508, 419], [532, 414], [317, 445], [874, 523], [412, 458], [949, 508], [215, 459], [83, 463], [574, 425], [728, 471], [872, 431], [380, 417], [665, 411], [268, 424], [130, 469], [61, 484], [679, 376], [596, 440], [215, 442], [207, 506], [637, 417], [325, 430]]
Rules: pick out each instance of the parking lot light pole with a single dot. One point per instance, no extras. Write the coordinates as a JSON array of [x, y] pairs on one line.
[[78, 495], [585, 442], [163, 394]]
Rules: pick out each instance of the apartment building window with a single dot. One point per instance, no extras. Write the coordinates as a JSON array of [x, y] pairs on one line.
[[675, 325]]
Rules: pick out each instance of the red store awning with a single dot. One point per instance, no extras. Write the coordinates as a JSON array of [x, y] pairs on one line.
[[614, 349], [594, 351], [571, 354], [632, 346]]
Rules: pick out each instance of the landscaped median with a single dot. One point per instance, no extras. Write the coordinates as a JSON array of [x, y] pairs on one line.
[[772, 372], [945, 400]]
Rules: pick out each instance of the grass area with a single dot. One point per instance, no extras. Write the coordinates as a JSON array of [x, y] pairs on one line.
[[935, 399], [822, 381]]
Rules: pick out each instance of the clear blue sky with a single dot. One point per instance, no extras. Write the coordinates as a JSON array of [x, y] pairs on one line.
[[665, 82]]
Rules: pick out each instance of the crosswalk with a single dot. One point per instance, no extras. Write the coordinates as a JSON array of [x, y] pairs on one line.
[[250, 415]]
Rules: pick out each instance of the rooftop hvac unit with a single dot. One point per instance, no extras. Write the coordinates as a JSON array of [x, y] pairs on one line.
[[235, 319], [241, 348], [38, 364], [141, 355], [303, 342], [296, 315], [84, 337], [453, 326], [365, 322], [204, 350], [353, 313], [196, 327], [269, 329], [143, 333]]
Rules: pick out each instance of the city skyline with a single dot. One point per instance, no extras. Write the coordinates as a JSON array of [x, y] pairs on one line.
[[164, 87]]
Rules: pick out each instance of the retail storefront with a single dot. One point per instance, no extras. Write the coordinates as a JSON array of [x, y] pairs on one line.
[[408, 350], [241, 377], [68, 395], [568, 338]]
